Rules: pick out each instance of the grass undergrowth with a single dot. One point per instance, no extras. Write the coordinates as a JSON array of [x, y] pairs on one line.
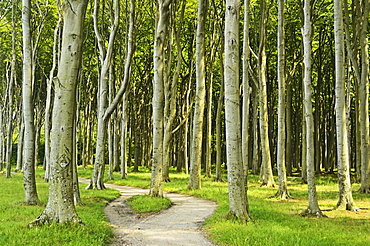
[[148, 204], [15, 216], [275, 222]]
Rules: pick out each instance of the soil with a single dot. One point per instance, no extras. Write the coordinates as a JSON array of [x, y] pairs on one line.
[[178, 225]]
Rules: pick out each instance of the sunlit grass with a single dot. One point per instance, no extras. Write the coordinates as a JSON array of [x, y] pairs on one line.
[[15, 216], [148, 204], [275, 222]]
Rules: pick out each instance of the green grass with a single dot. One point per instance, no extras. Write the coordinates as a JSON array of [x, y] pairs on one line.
[[15, 216], [148, 204], [275, 222]]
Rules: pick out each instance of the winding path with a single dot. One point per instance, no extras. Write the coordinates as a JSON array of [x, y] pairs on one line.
[[178, 225]]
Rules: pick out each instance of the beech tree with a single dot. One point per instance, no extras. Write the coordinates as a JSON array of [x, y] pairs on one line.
[[281, 150], [313, 205], [345, 192], [60, 207], [197, 138], [161, 32], [27, 94], [236, 179]]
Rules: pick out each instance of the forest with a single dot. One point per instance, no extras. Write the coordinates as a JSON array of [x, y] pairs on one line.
[[275, 89]]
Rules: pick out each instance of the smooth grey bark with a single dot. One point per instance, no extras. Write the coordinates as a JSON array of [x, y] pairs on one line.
[[11, 83], [238, 203], [48, 108], [344, 182], [105, 57], [220, 108], [246, 90], [20, 141], [158, 97], [60, 207], [266, 169], [27, 94], [313, 205], [171, 101], [281, 151], [197, 137], [364, 101]]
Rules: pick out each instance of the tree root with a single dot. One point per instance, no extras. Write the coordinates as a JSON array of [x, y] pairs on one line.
[[312, 214], [219, 180], [45, 219], [283, 195]]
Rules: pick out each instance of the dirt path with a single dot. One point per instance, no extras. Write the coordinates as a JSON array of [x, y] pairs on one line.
[[178, 225]]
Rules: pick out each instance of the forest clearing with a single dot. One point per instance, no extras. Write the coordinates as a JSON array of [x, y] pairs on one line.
[[275, 221]]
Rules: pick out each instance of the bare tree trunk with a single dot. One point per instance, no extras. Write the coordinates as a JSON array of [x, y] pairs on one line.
[[344, 182], [60, 207], [281, 164], [266, 170], [158, 97], [20, 140], [220, 107], [29, 132], [364, 102], [246, 90], [236, 178], [197, 138], [106, 54], [49, 91], [313, 206]]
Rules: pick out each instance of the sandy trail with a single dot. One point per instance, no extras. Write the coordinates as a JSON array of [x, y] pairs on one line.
[[178, 225]]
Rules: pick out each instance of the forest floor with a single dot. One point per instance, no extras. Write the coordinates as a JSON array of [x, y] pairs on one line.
[[178, 225]]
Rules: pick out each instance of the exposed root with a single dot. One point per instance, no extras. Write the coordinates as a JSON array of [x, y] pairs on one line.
[[365, 190], [312, 214], [45, 219], [283, 195], [92, 186], [268, 184], [219, 180], [244, 219]]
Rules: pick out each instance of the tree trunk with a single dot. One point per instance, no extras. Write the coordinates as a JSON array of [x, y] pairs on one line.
[[197, 138], [313, 205], [246, 90], [364, 103], [345, 192], [60, 207], [29, 128], [158, 97], [266, 170], [283, 187], [236, 177], [97, 179]]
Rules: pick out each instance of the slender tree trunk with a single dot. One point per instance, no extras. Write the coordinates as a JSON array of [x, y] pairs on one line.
[[197, 139], [158, 97], [60, 207], [97, 179], [29, 128], [313, 205], [364, 102], [246, 90], [20, 141], [236, 177], [345, 192], [266, 170], [220, 107], [283, 187]]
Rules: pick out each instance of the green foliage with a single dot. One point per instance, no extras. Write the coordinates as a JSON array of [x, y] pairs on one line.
[[275, 222], [15, 216], [148, 204]]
